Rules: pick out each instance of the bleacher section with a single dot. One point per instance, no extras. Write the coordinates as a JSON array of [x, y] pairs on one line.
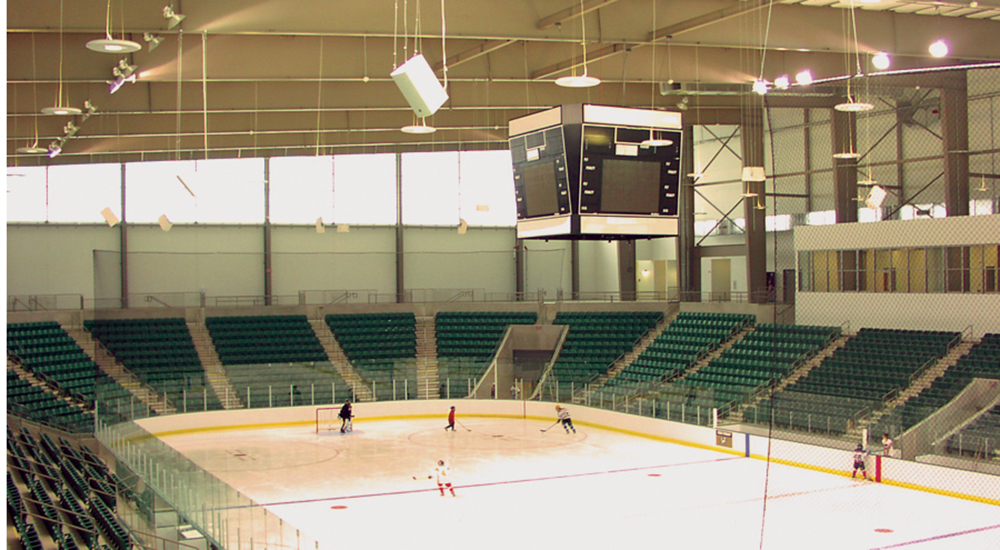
[[161, 353], [467, 341], [65, 493], [263, 339], [981, 438], [382, 347], [260, 386], [48, 352], [982, 361], [38, 405], [762, 357], [688, 338], [595, 340], [855, 380]]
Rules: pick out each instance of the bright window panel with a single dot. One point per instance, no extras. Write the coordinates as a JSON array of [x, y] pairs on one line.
[[364, 189], [430, 188], [486, 186], [26, 194], [79, 192], [826, 217], [866, 215], [981, 207], [780, 222], [221, 191], [301, 189]]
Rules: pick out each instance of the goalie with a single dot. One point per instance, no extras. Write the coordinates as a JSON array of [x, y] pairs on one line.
[[346, 415]]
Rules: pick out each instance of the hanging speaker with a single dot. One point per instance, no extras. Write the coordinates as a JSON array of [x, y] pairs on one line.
[[420, 86], [109, 217]]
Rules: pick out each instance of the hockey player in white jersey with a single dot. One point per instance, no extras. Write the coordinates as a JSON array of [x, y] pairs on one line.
[[442, 473]]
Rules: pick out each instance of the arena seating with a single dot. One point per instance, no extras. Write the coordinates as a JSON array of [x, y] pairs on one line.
[[262, 339], [762, 357], [856, 379], [982, 361], [467, 341], [685, 340], [595, 340], [42, 406], [48, 352], [381, 346], [161, 353], [67, 494]]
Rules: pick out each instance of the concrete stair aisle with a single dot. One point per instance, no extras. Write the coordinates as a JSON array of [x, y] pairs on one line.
[[339, 360], [428, 377], [629, 357], [214, 371], [796, 374], [107, 363], [923, 381]]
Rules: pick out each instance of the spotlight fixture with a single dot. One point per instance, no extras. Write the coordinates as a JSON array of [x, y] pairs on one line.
[[804, 77], [419, 129], [881, 61], [760, 86], [847, 155], [54, 150], [782, 82], [121, 74], [173, 19], [153, 41], [938, 48]]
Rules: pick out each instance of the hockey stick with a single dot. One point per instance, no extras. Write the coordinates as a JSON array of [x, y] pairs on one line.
[[550, 427], [463, 426]]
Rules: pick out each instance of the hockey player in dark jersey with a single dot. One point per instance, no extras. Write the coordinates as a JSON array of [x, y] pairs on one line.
[[859, 462]]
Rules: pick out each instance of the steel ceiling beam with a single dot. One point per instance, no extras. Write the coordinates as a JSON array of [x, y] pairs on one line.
[[561, 17]]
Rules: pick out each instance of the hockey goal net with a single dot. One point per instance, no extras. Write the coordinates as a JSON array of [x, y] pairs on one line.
[[327, 419]]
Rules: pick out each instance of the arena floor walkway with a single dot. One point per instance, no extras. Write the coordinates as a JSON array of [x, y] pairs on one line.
[[520, 488]]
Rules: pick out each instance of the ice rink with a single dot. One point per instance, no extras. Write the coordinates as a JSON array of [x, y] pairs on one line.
[[520, 488]]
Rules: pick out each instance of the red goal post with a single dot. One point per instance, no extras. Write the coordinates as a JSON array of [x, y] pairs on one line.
[[327, 418]]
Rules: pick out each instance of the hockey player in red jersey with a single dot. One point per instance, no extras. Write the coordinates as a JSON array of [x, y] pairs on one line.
[[859, 462]]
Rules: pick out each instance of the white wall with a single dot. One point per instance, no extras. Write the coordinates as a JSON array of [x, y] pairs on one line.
[[55, 258], [442, 258], [221, 260], [737, 274], [952, 312], [954, 231], [362, 259], [598, 266]]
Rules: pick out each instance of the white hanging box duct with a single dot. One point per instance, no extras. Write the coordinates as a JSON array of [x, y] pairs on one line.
[[420, 86]]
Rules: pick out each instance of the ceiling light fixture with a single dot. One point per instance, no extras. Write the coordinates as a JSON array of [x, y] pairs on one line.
[[59, 108], [108, 44], [173, 19], [760, 86], [584, 80], [122, 73], [654, 140], [419, 129], [939, 48], [881, 61], [782, 82], [804, 77], [32, 149]]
